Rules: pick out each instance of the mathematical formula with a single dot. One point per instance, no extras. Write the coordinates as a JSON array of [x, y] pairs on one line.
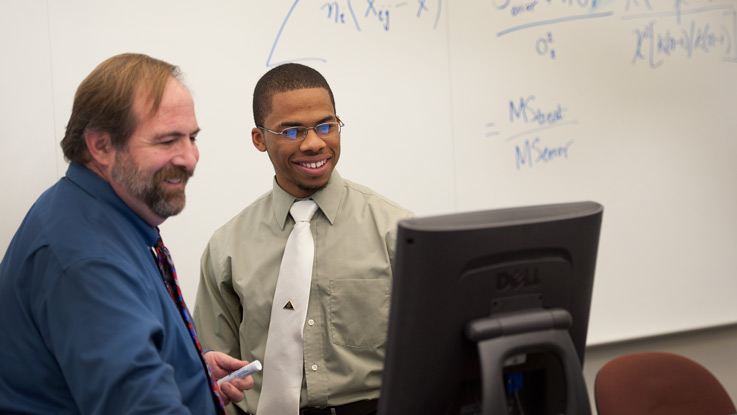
[[531, 146], [654, 41], [654, 46], [359, 15]]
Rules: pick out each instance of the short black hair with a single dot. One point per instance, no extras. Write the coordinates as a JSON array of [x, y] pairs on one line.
[[283, 78]]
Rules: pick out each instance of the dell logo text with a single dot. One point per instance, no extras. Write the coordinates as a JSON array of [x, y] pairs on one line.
[[518, 278]]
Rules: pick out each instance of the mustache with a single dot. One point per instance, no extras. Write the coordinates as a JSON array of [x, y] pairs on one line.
[[173, 173]]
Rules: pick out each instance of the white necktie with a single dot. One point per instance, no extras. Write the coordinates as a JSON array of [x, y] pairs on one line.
[[283, 358]]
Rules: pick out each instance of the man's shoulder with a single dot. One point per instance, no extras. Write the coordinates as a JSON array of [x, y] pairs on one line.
[[366, 195], [64, 216], [67, 227]]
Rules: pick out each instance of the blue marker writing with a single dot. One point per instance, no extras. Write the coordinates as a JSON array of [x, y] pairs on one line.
[[246, 370]]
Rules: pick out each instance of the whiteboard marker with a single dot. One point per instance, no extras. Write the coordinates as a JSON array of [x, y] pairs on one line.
[[246, 370]]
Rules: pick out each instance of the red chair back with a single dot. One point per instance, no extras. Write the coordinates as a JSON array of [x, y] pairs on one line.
[[657, 383]]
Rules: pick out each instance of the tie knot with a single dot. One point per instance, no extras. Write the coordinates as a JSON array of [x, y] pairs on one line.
[[303, 210]]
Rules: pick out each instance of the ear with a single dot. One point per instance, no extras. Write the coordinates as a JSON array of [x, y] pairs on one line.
[[257, 136], [100, 147]]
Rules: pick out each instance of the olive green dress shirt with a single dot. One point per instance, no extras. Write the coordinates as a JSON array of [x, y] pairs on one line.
[[345, 331]]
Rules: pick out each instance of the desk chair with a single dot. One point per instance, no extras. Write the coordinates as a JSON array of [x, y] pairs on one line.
[[657, 383]]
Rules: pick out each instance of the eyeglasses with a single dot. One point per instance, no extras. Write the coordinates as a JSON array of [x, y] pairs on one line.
[[297, 134]]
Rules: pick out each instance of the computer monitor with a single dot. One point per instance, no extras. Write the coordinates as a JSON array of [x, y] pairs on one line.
[[489, 312]]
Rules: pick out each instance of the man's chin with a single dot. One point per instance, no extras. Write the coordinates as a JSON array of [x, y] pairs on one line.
[[313, 184], [167, 211], [170, 204], [311, 188]]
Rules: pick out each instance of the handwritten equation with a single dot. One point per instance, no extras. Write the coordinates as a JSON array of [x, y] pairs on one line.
[[358, 15], [673, 28], [531, 146], [659, 31], [654, 45]]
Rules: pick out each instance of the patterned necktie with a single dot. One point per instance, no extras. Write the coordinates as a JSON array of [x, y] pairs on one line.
[[283, 358], [169, 274]]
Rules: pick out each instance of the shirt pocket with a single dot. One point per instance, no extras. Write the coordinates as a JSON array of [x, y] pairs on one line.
[[359, 312]]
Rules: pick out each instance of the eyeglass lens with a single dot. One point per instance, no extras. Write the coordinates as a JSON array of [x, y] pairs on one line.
[[326, 130]]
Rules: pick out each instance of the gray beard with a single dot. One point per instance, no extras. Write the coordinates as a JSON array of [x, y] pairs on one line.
[[164, 204]]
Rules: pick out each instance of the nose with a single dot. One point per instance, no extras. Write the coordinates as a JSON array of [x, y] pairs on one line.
[[312, 142], [188, 155]]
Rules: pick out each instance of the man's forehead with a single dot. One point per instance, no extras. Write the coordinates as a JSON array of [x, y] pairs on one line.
[[148, 96], [298, 97]]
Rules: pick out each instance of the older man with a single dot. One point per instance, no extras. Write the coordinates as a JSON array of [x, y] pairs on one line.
[[91, 316]]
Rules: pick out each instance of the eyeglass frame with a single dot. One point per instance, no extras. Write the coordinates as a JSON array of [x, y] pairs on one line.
[[340, 124]]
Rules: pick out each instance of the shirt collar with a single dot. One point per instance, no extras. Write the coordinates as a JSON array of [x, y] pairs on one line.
[[101, 190], [328, 199]]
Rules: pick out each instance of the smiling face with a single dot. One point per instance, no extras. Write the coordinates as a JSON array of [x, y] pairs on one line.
[[305, 167], [151, 171]]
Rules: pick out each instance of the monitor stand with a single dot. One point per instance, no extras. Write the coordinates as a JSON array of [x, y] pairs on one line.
[[503, 336]]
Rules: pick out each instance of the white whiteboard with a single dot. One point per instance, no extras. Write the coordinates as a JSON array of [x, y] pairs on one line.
[[449, 106]]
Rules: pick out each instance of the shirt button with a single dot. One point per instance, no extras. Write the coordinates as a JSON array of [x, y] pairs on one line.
[[314, 368], [311, 322]]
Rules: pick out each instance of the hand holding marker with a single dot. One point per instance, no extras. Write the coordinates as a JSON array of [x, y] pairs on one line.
[[246, 370]]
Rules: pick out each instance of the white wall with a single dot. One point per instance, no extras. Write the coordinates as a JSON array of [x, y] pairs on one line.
[[638, 100]]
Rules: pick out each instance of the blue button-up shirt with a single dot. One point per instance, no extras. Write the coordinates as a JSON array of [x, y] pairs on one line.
[[86, 323]]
